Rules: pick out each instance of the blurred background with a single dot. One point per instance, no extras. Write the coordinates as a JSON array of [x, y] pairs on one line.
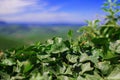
[[24, 22]]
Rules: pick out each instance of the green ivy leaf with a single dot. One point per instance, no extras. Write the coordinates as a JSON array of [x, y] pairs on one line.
[[86, 67], [115, 74], [95, 76], [80, 78], [84, 57], [27, 66], [115, 46], [104, 67], [8, 62], [4, 76], [72, 58]]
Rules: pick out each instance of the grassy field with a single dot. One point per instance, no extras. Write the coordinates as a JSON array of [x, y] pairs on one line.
[[7, 42], [17, 35]]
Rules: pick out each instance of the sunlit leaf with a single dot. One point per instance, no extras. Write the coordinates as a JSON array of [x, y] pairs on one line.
[[86, 67], [4, 76], [27, 66], [84, 57], [95, 76], [8, 62], [104, 67], [114, 75], [72, 58]]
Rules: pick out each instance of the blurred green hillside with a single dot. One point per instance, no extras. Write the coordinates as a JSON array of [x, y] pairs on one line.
[[15, 35]]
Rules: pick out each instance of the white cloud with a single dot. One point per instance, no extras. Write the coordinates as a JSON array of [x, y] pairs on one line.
[[55, 8], [45, 17], [38, 12], [8, 7]]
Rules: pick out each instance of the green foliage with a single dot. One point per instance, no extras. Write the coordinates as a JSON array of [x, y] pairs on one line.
[[93, 56], [112, 7]]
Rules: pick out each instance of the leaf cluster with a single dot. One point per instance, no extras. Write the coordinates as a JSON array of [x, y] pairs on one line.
[[93, 56]]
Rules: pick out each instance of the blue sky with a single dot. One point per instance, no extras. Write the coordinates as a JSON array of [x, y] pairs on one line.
[[50, 11]]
